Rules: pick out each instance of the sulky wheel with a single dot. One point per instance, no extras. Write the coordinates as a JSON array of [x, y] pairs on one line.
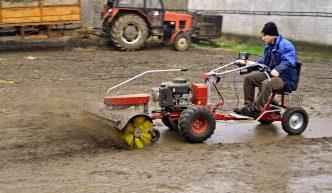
[[295, 120], [139, 132], [182, 42], [196, 124], [172, 125], [129, 32]]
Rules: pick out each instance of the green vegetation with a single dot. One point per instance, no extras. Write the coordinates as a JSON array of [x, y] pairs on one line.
[[306, 53], [233, 46]]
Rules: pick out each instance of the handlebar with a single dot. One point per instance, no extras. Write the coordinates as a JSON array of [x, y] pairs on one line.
[[146, 72], [243, 69], [263, 67]]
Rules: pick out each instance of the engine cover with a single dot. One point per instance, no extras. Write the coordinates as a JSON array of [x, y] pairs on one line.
[[165, 97], [170, 93]]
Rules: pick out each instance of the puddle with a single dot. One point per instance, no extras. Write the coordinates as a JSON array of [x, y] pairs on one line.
[[242, 132]]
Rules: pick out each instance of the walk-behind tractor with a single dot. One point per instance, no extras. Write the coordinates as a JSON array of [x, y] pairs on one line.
[[129, 23], [186, 108]]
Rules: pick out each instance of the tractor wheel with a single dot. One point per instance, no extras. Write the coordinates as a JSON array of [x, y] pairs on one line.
[[182, 42], [129, 32], [172, 125], [295, 121], [196, 124]]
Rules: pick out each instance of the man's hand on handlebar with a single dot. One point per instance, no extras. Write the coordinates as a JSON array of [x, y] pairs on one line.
[[275, 73], [245, 62]]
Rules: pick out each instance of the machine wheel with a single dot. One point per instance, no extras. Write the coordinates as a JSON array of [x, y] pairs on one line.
[[172, 125], [295, 120], [182, 42], [139, 132], [155, 135], [196, 124], [129, 32]]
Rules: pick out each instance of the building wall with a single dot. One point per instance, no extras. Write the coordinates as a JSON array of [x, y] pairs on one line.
[[300, 28], [176, 4], [91, 11]]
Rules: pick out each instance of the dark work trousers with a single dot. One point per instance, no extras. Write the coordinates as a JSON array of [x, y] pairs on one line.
[[266, 87]]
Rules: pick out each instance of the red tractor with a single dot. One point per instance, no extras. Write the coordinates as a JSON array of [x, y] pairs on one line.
[[129, 23]]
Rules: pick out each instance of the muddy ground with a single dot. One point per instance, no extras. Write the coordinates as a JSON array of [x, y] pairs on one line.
[[45, 148]]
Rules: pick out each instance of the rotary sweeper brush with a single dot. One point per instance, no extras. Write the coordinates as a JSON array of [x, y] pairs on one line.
[[128, 117], [187, 109]]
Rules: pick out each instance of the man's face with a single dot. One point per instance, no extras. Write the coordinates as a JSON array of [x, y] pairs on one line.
[[267, 39]]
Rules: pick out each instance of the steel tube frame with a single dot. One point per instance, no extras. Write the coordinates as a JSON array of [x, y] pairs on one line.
[[139, 75]]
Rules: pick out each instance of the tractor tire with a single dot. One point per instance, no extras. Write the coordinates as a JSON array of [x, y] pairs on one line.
[[182, 42], [295, 121], [129, 32], [172, 125], [197, 124]]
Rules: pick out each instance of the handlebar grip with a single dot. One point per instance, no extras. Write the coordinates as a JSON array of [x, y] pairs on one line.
[[184, 70]]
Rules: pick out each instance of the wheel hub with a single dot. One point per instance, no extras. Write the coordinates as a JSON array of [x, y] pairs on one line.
[[182, 42], [296, 121], [137, 132], [130, 33], [199, 125]]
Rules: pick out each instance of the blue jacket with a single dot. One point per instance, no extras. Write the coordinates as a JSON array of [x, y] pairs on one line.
[[282, 57]]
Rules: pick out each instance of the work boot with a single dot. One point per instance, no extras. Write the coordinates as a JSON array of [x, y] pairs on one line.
[[239, 111], [251, 111]]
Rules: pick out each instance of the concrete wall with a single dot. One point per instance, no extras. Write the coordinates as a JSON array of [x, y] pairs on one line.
[[91, 11], [176, 4], [300, 28]]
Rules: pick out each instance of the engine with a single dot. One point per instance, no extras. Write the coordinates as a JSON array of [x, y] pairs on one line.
[[175, 94]]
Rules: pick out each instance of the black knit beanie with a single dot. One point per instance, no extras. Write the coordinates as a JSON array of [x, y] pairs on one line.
[[270, 29]]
